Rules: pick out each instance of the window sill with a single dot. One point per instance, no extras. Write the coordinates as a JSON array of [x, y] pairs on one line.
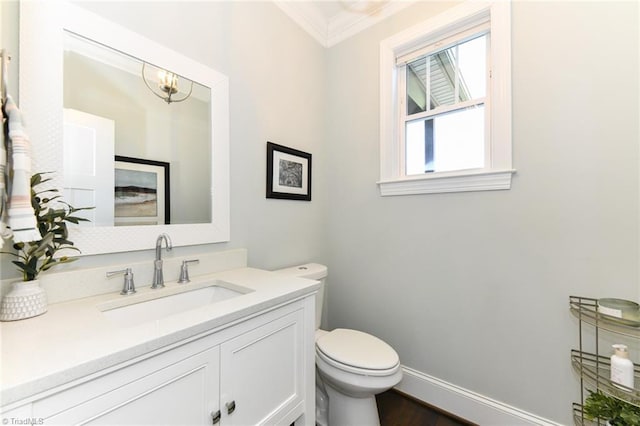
[[464, 181]]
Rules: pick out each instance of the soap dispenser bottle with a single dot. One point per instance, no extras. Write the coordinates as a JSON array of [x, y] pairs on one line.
[[621, 367]]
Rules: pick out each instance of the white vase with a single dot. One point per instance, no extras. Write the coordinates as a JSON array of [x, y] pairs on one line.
[[27, 299]]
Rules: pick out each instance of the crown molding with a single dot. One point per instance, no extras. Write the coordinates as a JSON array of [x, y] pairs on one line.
[[347, 24], [308, 17], [329, 32]]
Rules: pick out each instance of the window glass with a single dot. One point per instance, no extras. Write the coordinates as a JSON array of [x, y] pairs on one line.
[[446, 142], [450, 76], [447, 132], [442, 77], [416, 86], [472, 64]]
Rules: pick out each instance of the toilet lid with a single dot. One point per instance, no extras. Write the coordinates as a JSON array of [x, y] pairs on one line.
[[357, 349]]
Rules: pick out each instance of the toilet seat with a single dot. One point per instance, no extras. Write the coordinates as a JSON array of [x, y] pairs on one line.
[[357, 352]]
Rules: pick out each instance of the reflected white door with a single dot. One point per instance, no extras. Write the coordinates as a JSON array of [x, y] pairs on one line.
[[89, 142]]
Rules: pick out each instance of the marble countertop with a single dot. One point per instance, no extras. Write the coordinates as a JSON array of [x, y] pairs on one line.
[[75, 339]]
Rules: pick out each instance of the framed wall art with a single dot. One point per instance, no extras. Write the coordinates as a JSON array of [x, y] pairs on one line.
[[288, 173], [141, 192]]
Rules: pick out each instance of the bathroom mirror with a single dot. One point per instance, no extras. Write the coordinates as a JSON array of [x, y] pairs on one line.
[[73, 61], [154, 149]]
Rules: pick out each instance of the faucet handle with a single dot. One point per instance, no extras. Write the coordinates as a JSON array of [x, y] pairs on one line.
[[184, 271], [129, 287]]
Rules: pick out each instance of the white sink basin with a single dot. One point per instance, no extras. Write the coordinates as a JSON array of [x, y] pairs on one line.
[[140, 308]]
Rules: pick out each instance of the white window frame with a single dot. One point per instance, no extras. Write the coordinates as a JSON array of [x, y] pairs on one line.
[[498, 169]]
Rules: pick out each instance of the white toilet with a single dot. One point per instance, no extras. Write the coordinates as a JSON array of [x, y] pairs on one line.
[[351, 366]]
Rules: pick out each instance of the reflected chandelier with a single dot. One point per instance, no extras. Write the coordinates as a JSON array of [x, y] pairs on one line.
[[168, 85]]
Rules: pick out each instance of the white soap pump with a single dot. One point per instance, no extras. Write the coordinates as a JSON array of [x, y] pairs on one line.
[[621, 367]]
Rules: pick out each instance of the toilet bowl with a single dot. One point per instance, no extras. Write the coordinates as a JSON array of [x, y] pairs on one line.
[[352, 366], [355, 367]]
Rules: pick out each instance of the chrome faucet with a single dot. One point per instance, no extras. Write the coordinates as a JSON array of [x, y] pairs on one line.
[[158, 279], [129, 287], [184, 271]]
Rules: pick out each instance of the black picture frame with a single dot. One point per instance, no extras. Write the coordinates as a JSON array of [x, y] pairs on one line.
[[161, 172], [288, 173]]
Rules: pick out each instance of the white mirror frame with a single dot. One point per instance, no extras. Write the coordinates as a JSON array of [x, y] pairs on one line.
[[42, 25]]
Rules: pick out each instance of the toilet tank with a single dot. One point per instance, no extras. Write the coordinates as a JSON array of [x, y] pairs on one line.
[[313, 271]]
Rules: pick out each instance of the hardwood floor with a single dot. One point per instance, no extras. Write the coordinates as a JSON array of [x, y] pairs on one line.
[[398, 409]]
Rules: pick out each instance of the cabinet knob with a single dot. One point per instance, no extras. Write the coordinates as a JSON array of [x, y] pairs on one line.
[[215, 417], [231, 407]]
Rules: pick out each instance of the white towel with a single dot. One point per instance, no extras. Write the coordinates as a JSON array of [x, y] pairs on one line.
[[22, 219], [5, 232]]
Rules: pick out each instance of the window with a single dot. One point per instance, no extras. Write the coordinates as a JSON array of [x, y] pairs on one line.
[[442, 96], [446, 103]]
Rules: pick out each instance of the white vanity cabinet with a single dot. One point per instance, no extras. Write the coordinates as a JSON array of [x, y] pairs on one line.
[[178, 392], [261, 371], [253, 372]]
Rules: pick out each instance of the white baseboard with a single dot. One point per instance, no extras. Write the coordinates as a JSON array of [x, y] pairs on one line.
[[465, 403]]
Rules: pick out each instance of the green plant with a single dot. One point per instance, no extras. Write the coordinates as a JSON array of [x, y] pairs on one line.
[[38, 256], [616, 411]]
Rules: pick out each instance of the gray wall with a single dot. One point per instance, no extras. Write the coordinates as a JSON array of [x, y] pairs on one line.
[[473, 288]]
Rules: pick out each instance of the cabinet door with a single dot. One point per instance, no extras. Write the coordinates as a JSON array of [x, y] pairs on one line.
[[182, 393], [262, 374]]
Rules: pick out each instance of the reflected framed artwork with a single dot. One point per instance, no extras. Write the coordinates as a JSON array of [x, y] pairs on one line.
[[288, 173], [141, 192]]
